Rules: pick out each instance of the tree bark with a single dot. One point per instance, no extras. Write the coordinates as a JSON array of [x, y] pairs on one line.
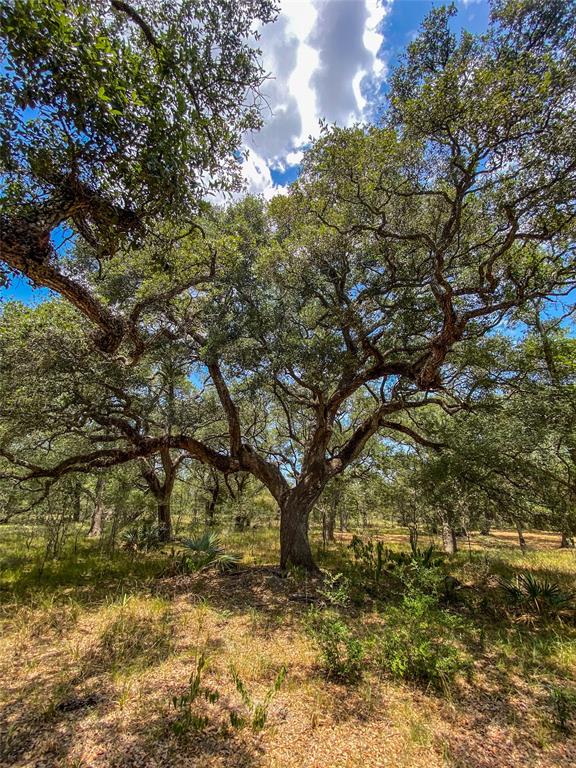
[[413, 537], [98, 512], [521, 539], [211, 504], [162, 491], [294, 544], [449, 538], [164, 518], [331, 523]]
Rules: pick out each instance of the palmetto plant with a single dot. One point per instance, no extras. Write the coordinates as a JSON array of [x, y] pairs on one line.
[[203, 552], [537, 595]]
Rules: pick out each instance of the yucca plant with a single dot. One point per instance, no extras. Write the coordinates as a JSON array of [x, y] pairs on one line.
[[203, 552], [426, 558]]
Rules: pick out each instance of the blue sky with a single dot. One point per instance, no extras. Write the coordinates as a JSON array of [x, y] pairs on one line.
[[328, 59]]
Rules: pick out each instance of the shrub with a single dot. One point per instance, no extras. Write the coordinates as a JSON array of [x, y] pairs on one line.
[[341, 653], [204, 552], [376, 569], [257, 710], [188, 718], [335, 588], [538, 596], [369, 562], [418, 643], [143, 537]]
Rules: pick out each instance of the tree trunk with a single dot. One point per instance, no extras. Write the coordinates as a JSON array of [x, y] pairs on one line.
[[294, 545], [413, 537], [485, 529], [330, 524], [211, 504], [98, 512], [162, 491], [521, 539], [164, 519], [76, 502], [449, 538], [241, 522]]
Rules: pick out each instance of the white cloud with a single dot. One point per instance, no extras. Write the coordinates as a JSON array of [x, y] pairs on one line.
[[323, 56], [338, 38], [294, 158], [258, 177]]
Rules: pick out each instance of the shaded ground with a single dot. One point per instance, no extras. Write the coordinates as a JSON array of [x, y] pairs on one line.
[[69, 698]]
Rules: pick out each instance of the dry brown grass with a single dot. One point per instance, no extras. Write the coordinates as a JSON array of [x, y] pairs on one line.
[[538, 540], [91, 687]]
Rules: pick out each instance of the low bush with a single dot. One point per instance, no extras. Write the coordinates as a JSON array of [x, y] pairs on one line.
[[341, 653], [379, 571], [563, 707], [143, 537], [202, 553], [419, 643], [189, 719], [335, 589], [368, 569]]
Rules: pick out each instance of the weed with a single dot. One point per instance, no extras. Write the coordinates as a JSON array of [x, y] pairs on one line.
[[335, 588], [48, 614], [563, 707], [376, 569], [186, 704], [141, 538], [139, 634], [257, 711], [298, 574], [369, 564]]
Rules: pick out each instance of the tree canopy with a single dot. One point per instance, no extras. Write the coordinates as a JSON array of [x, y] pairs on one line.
[[115, 116]]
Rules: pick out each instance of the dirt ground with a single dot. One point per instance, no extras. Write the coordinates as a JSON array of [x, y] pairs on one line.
[[67, 702]]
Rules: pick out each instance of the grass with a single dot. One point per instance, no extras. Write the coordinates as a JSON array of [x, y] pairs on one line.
[[138, 633], [93, 650]]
